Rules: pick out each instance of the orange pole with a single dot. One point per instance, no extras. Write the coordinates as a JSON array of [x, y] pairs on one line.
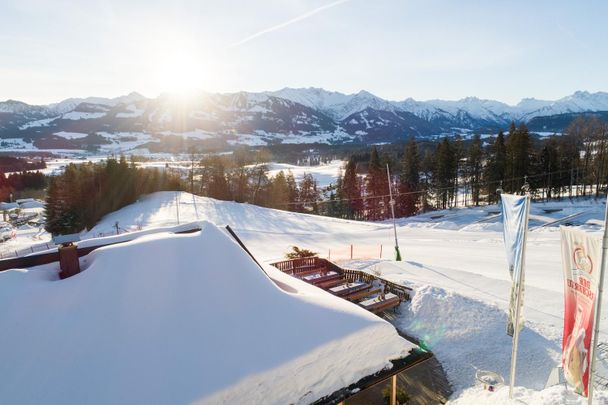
[[394, 390]]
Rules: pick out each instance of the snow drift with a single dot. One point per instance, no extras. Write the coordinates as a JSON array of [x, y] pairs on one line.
[[181, 318]]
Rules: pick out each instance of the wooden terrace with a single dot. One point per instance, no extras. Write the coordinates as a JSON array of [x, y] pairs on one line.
[[373, 293]]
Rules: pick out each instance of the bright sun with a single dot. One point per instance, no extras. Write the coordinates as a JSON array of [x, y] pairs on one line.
[[179, 70], [178, 63]]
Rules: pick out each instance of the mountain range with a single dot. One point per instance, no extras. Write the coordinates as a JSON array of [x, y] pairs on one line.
[[310, 115]]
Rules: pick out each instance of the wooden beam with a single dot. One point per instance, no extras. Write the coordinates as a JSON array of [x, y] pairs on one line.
[[394, 390]]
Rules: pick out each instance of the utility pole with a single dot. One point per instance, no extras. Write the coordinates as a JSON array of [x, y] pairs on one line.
[[598, 307], [392, 204], [177, 205]]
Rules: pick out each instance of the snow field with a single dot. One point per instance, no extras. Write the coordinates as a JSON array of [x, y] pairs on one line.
[[454, 259]]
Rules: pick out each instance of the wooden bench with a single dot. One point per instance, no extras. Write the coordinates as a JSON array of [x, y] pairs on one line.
[[330, 283], [348, 288], [321, 277], [379, 304], [361, 294]]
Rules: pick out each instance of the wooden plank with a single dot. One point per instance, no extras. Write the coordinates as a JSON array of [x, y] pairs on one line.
[[386, 305], [321, 277], [309, 272], [361, 294], [330, 283]]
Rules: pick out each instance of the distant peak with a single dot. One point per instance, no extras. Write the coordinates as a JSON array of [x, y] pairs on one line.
[[365, 93], [135, 94], [581, 93]]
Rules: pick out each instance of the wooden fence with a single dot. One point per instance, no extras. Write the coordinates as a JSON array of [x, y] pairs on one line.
[[300, 265], [303, 265], [401, 291]]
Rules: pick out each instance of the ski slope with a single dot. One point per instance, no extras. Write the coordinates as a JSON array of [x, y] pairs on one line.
[[454, 259]]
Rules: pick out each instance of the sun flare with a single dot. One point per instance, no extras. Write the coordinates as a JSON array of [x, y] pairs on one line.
[[179, 70]]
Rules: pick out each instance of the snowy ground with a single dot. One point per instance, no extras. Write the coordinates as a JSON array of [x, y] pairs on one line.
[[325, 174], [454, 259]]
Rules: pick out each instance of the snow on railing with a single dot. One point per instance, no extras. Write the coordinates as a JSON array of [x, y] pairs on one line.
[[10, 253]]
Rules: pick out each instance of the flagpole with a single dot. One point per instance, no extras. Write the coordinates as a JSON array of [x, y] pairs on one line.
[[518, 301], [598, 307], [392, 204]]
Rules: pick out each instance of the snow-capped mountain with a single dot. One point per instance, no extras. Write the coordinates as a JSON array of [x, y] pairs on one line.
[[289, 115], [71, 103], [468, 111]]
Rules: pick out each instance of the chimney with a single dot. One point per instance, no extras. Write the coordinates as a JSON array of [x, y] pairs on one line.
[[68, 260]]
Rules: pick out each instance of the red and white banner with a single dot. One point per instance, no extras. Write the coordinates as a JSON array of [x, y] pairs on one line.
[[581, 261]]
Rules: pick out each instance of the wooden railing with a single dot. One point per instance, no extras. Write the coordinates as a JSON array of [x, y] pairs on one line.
[[297, 266], [401, 291], [301, 265]]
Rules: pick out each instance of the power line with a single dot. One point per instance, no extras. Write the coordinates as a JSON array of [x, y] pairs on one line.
[[368, 198]]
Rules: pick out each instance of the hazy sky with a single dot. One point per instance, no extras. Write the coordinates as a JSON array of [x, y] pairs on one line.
[[504, 50]]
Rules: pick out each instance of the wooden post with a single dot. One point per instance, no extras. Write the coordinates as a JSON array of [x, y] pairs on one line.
[[394, 390], [351, 252]]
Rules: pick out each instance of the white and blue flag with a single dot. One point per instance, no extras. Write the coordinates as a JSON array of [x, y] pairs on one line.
[[515, 220]]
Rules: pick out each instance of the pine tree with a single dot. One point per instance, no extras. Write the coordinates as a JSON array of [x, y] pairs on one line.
[[475, 168], [376, 186], [409, 181], [518, 146], [458, 151], [309, 193], [496, 167], [443, 174], [292, 192], [218, 186], [239, 182], [350, 191], [279, 192]]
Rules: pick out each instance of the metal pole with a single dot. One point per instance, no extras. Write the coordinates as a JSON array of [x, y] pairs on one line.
[[177, 205], [518, 303], [392, 204], [598, 307], [394, 390]]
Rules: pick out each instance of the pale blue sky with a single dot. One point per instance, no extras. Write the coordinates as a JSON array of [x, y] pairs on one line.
[[504, 50]]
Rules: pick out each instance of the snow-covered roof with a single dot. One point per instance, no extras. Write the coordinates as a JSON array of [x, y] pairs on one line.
[[182, 318]]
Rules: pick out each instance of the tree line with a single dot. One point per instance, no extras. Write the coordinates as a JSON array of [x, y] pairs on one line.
[[423, 175], [79, 197], [15, 183], [454, 172]]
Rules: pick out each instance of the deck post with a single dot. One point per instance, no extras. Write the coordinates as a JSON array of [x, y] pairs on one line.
[[394, 390]]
